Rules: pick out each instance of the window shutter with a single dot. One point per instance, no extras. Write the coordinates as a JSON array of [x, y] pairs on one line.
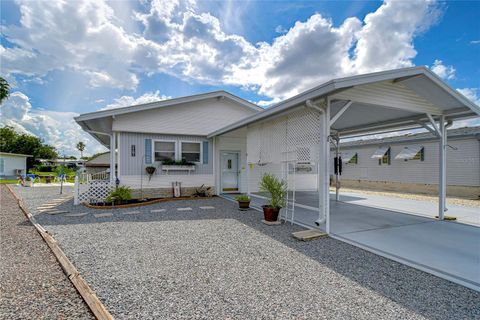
[[148, 151], [205, 152]]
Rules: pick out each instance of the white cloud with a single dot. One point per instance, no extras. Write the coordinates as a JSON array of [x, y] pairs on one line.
[[126, 101], [267, 103], [443, 71], [280, 29], [81, 36], [472, 94], [55, 128], [475, 42], [386, 38], [178, 39]]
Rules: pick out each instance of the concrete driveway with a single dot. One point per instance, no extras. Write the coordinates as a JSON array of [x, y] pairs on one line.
[[450, 250]]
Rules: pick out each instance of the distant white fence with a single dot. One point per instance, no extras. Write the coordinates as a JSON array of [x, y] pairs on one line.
[[103, 175], [92, 188]]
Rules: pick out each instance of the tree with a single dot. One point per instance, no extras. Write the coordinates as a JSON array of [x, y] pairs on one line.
[[4, 88], [14, 142], [81, 146]]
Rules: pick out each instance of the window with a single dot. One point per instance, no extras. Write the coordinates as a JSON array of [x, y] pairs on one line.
[[354, 159], [411, 153], [420, 155], [191, 151], [2, 165], [164, 150], [132, 150], [385, 159]]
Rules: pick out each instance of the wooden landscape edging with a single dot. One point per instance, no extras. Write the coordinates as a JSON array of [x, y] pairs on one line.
[[96, 306]]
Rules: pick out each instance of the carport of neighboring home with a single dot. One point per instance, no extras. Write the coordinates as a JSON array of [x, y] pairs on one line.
[[292, 140]]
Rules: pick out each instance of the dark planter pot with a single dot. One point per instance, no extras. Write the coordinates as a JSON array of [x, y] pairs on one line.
[[270, 214], [244, 205]]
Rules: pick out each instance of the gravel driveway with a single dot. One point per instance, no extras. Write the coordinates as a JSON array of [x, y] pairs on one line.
[[220, 263], [32, 283]]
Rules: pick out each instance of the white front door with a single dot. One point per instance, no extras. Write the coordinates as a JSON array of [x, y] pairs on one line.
[[229, 167]]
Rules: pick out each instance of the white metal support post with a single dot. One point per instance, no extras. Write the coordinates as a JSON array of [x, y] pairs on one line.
[[214, 166], [112, 157], [118, 155], [327, 166], [442, 183]]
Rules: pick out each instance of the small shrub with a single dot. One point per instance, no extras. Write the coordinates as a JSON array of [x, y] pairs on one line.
[[243, 198], [44, 168], [120, 195], [277, 189], [64, 170]]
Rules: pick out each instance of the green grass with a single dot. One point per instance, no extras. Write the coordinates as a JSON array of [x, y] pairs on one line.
[[4, 181]]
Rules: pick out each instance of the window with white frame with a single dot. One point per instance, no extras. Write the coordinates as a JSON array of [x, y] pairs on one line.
[[164, 150], [191, 151]]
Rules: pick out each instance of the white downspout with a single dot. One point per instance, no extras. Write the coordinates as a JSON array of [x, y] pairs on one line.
[[322, 180]]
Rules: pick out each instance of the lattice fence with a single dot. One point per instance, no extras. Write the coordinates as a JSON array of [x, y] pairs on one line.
[[92, 191], [284, 146], [289, 148]]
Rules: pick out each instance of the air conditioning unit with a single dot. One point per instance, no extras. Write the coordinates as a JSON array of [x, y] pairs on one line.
[[18, 171]]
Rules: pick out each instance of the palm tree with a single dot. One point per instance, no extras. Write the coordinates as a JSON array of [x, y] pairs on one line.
[[4, 87], [81, 147]]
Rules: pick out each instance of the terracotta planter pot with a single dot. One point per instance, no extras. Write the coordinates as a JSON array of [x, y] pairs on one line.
[[244, 204], [270, 214]]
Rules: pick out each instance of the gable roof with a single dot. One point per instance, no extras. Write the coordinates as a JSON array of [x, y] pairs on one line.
[[167, 103], [417, 83]]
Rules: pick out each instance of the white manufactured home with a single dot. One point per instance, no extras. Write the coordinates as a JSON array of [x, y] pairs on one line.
[[12, 165], [410, 163], [229, 143], [175, 130]]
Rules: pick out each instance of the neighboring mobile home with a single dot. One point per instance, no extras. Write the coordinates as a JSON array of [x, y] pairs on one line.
[[12, 165], [100, 163], [410, 163]]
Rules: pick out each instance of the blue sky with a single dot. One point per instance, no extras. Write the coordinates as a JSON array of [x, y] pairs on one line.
[[63, 59]]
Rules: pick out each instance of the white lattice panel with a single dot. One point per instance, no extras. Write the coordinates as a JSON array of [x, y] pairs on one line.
[[94, 190], [293, 138]]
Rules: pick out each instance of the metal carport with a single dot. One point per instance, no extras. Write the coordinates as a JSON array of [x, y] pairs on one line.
[[375, 103], [379, 102]]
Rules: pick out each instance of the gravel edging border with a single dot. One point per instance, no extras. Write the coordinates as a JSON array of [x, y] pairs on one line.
[[87, 294]]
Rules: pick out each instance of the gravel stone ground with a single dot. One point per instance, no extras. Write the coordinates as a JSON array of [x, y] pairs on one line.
[[222, 263], [32, 283]]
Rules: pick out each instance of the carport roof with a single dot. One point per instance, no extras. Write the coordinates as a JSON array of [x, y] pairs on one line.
[[399, 98]]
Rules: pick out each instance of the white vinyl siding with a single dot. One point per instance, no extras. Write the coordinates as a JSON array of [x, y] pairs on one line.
[[136, 165], [196, 118], [463, 164], [191, 151], [164, 150], [9, 164]]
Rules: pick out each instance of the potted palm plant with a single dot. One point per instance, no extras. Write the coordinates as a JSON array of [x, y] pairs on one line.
[[243, 201], [277, 189]]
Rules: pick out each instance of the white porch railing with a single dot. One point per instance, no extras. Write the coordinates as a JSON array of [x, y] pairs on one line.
[[103, 175]]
